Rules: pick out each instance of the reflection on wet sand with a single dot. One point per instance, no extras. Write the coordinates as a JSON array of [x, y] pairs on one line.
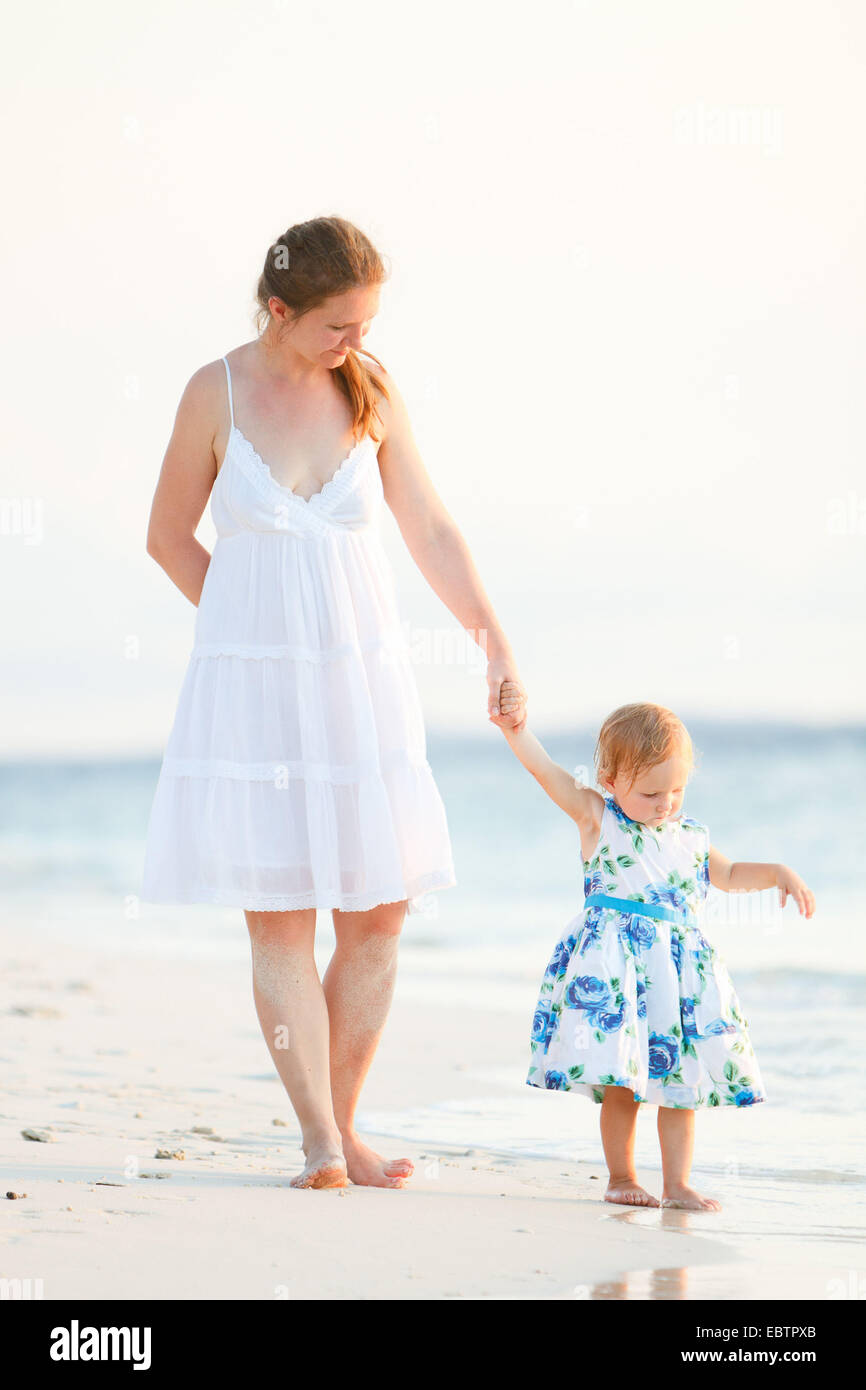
[[663, 1283], [645, 1283], [666, 1218]]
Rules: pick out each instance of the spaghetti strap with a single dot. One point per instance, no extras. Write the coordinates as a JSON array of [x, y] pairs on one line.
[[229, 384]]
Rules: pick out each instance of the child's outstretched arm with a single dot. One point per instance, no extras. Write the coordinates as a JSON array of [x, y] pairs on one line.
[[748, 878], [581, 803]]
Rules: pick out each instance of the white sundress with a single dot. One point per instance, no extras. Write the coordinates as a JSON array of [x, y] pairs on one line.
[[295, 774], [634, 995]]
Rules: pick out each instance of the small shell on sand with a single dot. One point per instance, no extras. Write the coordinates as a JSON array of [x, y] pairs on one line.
[[40, 1136], [169, 1153], [154, 1175], [201, 1129], [13, 1195], [284, 1123]]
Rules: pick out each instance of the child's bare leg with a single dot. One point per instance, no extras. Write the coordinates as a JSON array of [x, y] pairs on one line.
[[618, 1123], [677, 1140]]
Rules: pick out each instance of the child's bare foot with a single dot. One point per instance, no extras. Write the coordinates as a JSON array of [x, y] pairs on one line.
[[366, 1168], [687, 1199], [325, 1167], [627, 1192]]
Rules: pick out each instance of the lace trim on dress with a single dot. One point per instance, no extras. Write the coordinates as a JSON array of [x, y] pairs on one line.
[[346, 902], [347, 774], [256, 468], [396, 644]]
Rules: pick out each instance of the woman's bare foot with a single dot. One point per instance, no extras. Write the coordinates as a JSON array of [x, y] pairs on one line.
[[366, 1168], [325, 1167], [627, 1192], [687, 1199]]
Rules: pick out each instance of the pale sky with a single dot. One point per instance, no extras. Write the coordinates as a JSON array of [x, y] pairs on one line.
[[626, 311]]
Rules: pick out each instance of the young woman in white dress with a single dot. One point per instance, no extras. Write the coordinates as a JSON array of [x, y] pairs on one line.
[[295, 776]]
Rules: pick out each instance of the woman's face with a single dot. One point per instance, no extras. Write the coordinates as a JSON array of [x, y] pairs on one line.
[[325, 335], [657, 793]]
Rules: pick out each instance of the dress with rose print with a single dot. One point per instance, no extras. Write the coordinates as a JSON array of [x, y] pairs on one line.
[[636, 1000]]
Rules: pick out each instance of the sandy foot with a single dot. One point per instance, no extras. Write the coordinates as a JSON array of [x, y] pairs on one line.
[[687, 1199], [629, 1194], [366, 1168], [324, 1168]]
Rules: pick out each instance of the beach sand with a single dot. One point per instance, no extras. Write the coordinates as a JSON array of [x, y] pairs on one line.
[[117, 1056]]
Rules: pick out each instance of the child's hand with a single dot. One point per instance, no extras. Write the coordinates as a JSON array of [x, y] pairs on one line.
[[511, 697], [789, 882], [512, 705]]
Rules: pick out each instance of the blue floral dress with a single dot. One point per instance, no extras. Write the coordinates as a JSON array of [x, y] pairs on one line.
[[637, 997]]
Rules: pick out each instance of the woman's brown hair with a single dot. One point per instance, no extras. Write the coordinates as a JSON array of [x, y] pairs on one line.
[[308, 264]]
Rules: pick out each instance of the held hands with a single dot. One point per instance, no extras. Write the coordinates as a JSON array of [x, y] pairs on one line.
[[787, 883], [507, 699]]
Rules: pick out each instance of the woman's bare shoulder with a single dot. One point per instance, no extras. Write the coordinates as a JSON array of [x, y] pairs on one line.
[[376, 368], [202, 413], [206, 385], [389, 402]]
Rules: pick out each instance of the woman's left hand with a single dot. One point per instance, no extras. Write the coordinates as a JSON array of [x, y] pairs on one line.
[[500, 670]]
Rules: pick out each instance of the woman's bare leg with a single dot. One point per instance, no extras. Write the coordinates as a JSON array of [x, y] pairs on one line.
[[618, 1123], [293, 1014], [677, 1140], [359, 986]]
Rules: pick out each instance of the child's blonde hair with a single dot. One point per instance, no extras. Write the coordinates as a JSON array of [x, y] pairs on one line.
[[637, 737]]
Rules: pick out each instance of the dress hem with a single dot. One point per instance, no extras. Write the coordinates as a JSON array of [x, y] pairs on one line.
[[297, 902], [586, 1089]]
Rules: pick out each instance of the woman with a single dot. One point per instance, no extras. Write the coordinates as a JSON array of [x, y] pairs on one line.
[[295, 776]]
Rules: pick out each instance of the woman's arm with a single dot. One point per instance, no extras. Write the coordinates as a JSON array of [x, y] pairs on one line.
[[185, 482], [742, 877], [439, 550]]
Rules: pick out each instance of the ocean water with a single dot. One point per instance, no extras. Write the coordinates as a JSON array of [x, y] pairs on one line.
[[71, 845]]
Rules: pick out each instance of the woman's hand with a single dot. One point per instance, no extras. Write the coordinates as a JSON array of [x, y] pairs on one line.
[[506, 702], [787, 883]]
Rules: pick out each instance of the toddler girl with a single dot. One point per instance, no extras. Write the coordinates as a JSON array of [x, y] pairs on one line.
[[635, 1004]]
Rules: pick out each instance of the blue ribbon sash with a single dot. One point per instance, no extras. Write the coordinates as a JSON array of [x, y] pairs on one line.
[[659, 910]]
